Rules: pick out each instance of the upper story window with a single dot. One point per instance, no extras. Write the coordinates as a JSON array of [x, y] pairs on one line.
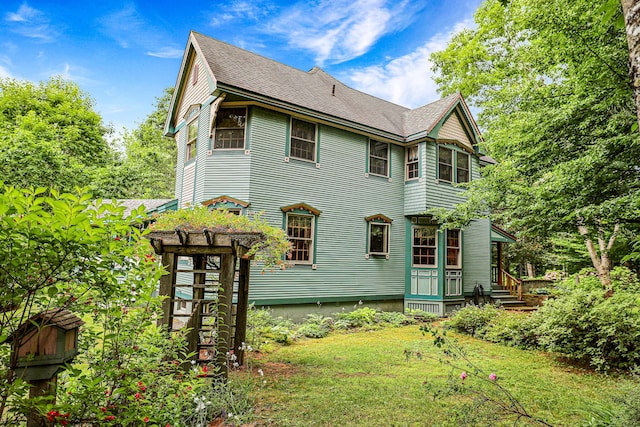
[[453, 166], [192, 140], [425, 246], [194, 74], [230, 123], [462, 167], [378, 158], [454, 248], [412, 162], [303, 140]]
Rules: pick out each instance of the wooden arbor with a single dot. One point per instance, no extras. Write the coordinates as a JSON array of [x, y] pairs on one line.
[[201, 265]]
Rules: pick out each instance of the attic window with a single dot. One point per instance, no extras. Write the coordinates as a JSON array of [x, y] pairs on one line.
[[194, 74]]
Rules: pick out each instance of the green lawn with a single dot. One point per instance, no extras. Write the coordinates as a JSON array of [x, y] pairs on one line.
[[364, 379]]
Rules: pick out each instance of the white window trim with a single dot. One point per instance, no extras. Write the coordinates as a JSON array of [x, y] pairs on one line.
[[244, 134], [311, 239], [387, 229], [435, 265], [407, 163], [376, 157], [446, 252], [314, 141], [194, 150]]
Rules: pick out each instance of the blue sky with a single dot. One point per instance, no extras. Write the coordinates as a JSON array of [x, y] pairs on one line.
[[124, 53]]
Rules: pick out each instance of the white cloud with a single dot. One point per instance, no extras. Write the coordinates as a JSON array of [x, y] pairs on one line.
[[340, 30], [241, 10], [167, 52], [4, 73], [30, 22], [406, 80]]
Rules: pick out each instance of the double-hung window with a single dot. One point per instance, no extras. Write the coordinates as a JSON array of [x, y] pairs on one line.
[[378, 234], [300, 234], [192, 140], [462, 167], [454, 249], [425, 246], [303, 140], [230, 123], [412, 162], [453, 166], [378, 158]]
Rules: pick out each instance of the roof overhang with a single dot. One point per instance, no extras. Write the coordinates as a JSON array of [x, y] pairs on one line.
[[499, 235]]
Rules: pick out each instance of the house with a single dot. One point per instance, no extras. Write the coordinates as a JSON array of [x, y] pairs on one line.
[[347, 175]]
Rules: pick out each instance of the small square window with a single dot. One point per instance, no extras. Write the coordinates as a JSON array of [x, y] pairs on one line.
[[378, 158], [230, 124], [303, 140], [378, 238]]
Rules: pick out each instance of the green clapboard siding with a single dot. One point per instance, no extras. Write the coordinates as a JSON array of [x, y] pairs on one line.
[[438, 194], [476, 255], [344, 195]]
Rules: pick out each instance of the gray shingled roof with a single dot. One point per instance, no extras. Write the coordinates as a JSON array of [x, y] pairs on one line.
[[314, 90]]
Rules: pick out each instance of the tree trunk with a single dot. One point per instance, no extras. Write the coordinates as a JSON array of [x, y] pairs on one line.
[[600, 255], [631, 11], [531, 271]]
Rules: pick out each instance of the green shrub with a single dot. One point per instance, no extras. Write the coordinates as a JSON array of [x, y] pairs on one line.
[[263, 327], [358, 318], [393, 318], [315, 326], [512, 329], [421, 315], [473, 319], [586, 326]]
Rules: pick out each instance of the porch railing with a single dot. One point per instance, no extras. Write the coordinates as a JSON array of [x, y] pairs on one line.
[[510, 283]]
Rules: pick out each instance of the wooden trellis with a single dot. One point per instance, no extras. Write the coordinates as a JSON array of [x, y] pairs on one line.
[[217, 318]]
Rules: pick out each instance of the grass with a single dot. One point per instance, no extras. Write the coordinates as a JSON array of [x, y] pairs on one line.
[[364, 379]]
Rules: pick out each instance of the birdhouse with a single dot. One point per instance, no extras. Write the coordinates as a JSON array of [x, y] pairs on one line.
[[44, 343]]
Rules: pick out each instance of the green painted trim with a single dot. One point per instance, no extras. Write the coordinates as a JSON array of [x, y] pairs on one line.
[[247, 126], [441, 261], [287, 142], [322, 300], [318, 143], [424, 297], [315, 238]]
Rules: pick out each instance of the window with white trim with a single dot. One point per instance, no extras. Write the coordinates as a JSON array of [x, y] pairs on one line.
[[230, 124], [303, 140], [454, 249], [412, 163], [192, 140], [378, 158], [300, 234], [424, 246]]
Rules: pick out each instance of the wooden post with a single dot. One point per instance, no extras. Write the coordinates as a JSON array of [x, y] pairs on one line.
[[243, 306], [225, 306], [167, 288], [499, 264], [41, 388]]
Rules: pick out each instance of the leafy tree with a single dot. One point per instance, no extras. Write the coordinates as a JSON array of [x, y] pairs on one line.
[[147, 169], [49, 134], [551, 79]]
